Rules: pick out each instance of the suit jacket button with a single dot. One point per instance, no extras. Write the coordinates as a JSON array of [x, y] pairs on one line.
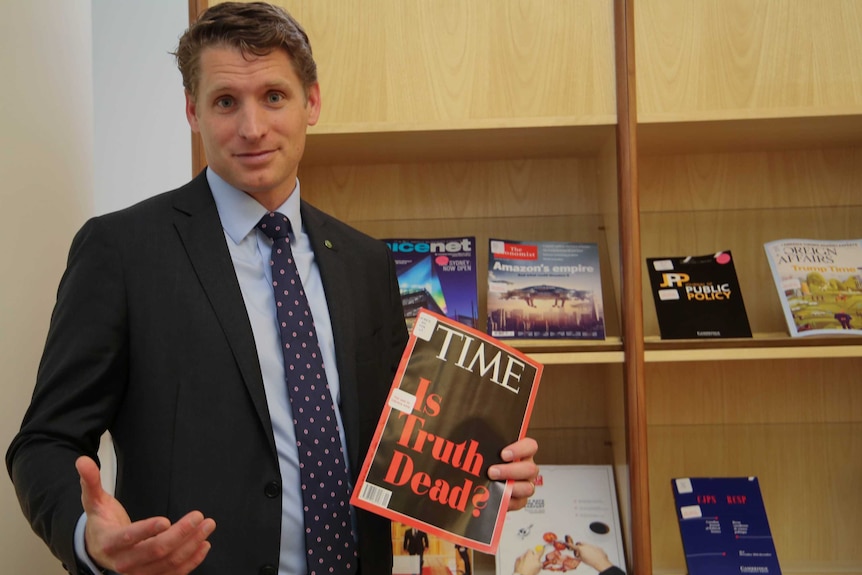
[[268, 570], [272, 490]]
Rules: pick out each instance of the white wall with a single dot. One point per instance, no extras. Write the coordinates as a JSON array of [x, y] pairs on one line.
[[46, 178], [91, 120], [142, 139]]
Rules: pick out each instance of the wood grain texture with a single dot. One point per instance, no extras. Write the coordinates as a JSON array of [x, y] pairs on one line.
[[807, 474], [631, 301], [809, 391], [799, 429], [809, 178], [454, 190], [440, 63], [723, 59], [796, 424]]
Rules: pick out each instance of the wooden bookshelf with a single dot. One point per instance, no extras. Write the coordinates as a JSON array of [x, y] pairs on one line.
[[655, 128]]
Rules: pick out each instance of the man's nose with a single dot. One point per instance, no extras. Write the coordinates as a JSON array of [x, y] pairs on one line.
[[252, 122]]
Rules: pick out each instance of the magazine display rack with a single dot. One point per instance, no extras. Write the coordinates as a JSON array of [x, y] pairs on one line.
[[746, 136], [739, 123]]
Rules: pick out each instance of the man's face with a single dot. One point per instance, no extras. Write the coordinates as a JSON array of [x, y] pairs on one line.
[[252, 115]]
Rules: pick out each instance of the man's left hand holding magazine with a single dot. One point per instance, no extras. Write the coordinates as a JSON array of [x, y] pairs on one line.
[[519, 467]]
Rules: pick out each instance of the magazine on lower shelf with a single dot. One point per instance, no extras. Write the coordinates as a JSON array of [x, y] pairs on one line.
[[572, 504], [458, 398], [545, 290], [819, 283], [438, 274], [698, 297], [415, 551], [723, 525]]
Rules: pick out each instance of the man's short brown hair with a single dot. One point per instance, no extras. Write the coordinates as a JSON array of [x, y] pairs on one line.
[[255, 29]]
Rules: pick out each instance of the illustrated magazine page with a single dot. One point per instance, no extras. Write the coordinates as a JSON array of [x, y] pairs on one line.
[[698, 297], [544, 290], [438, 274], [415, 552], [572, 504], [819, 283], [459, 397]]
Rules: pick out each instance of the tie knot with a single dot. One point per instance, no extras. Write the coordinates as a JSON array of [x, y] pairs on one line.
[[275, 225]]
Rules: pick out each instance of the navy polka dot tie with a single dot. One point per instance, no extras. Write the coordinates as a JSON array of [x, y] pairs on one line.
[[329, 540]]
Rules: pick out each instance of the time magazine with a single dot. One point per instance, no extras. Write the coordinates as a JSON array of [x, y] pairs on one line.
[[459, 397]]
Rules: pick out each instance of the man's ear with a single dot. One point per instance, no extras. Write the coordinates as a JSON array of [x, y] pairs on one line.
[[313, 103], [191, 112]]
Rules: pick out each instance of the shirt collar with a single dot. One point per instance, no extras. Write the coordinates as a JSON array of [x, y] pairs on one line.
[[240, 213]]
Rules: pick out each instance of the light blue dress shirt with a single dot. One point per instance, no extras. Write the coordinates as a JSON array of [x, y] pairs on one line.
[[250, 252]]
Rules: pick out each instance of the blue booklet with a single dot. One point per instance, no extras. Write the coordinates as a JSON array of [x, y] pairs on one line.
[[723, 524]]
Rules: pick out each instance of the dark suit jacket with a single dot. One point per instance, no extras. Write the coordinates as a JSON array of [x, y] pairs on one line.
[[415, 544], [150, 340]]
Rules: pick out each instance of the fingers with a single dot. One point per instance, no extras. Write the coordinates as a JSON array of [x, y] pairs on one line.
[[517, 471], [520, 465], [91, 482], [593, 556], [529, 563], [136, 533], [521, 449], [521, 492], [147, 547], [520, 469]]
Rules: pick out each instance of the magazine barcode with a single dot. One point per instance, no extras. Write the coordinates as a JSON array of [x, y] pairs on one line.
[[376, 495]]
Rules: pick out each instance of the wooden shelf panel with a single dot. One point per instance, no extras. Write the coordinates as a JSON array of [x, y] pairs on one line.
[[768, 180], [800, 568], [807, 474], [577, 356], [732, 393], [681, 135], [441, 62], [795, 423], [579, 417], [761, 346], [427, 194], [723, 59], [473, 141]]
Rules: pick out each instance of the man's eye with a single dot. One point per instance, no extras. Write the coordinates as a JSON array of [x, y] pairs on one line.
[[224, 102], [274, 98]]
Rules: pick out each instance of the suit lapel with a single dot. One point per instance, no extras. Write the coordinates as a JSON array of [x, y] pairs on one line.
[[198, 224], [331, 252]]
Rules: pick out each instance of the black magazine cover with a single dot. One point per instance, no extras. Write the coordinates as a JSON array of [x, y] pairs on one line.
[[698, 297], [459, 397]]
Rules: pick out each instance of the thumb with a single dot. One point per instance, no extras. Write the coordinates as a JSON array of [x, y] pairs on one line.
[[91, 483]]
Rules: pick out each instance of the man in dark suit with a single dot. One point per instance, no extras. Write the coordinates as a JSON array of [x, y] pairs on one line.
[[416, 543], [164, 333]]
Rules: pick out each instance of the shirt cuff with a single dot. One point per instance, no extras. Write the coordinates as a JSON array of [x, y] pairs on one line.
[[81, 547]]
